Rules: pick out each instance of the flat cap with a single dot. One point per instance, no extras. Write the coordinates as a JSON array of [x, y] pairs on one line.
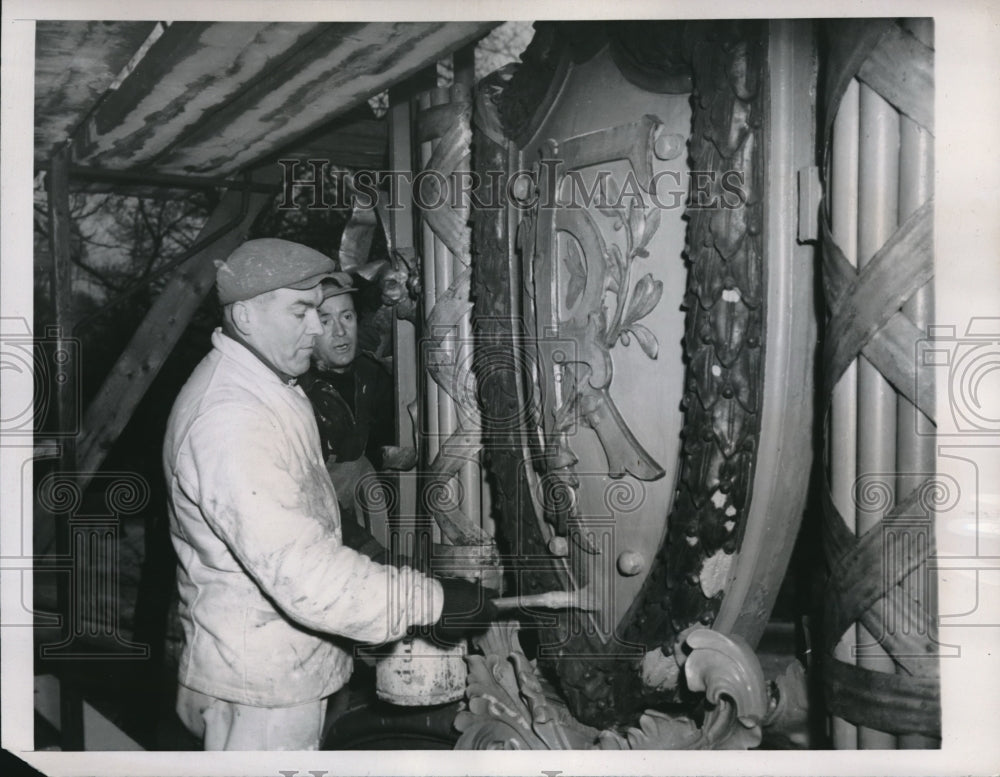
[[337, 284], [269, 263]]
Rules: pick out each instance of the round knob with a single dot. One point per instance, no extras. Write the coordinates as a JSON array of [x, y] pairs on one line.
[[668, 146], [631, 563], [559, 546], [521, 188]]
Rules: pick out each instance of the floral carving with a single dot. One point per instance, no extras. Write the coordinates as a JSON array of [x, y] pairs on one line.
[[598, 303], [510, 709], [639, 225]]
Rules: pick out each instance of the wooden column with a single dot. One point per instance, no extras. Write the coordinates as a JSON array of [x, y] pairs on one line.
[[843, 427], [430, 260], [450, 405], [915, 442], [70, 701], [472, 473], [404, 337], [443, 274], [878, 184]]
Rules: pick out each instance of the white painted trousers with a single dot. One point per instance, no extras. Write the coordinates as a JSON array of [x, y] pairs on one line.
[[226, 725]]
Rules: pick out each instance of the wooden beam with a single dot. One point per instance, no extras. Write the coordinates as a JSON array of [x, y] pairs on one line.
[[361, 144], [464, 64], [163, 326], [916, 445], [62, 276]]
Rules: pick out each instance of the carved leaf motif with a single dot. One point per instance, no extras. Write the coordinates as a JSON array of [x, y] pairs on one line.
[[647, 340], [497, 718], [722, 665], [647, 295], [577, 273], [637, 224], [658, 730], [652, 224], [616, 269], [547, 722], [729, 673], [509, 708]]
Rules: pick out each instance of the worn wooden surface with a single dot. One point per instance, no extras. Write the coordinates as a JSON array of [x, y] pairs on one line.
[[75, 62], [352, 141], [209, 98]]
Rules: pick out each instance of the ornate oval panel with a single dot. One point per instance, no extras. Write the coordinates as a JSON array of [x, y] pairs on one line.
[[633, 278]]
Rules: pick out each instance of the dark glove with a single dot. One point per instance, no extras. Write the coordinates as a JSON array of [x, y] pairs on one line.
[[467, 610]]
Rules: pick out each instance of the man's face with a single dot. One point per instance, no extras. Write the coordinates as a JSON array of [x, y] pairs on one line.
[[338, 345], [284, 326]]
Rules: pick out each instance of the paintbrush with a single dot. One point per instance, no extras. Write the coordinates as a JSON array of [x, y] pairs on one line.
[[552, 600]]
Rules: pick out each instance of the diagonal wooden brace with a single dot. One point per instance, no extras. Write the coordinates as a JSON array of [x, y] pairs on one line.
[[140, 362]]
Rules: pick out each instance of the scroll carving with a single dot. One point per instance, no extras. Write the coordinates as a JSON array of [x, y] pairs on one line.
[[509, 707]]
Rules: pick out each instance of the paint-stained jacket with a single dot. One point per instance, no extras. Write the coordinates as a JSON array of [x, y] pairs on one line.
[[268, 593]]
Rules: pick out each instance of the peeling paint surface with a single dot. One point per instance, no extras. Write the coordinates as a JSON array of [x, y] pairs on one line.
[[659, 671], [75, 63], [213, 98], [714, 573]]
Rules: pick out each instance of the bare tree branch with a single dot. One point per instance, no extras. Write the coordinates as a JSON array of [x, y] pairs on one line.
[[103, 278]]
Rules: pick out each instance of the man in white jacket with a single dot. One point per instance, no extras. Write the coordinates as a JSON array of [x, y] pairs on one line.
[[269, 596]]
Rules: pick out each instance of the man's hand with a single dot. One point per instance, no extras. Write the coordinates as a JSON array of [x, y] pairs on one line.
[[468, 610]]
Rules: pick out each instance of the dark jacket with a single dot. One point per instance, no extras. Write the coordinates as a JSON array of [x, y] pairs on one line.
[[354, 410]]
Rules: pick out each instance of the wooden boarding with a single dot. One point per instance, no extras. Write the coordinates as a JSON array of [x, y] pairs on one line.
[[75, 63], [213, 98]]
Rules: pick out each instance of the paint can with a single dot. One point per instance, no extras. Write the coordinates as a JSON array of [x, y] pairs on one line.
[[420, 673]]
